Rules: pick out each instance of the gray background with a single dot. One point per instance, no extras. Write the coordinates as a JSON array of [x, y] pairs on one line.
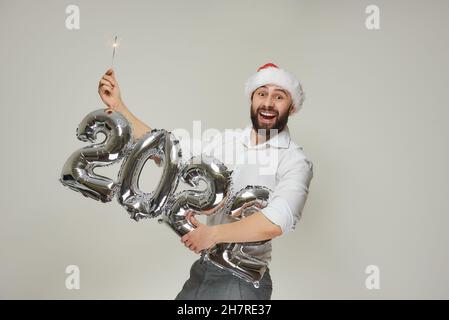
[[374, 124]]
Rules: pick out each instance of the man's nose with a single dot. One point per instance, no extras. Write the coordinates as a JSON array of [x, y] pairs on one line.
[[269, 101]]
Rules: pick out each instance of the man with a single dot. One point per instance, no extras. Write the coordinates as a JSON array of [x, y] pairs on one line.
[[274, 95]]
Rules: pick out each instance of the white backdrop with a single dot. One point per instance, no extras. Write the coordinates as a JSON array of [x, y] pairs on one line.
[[374, 124]]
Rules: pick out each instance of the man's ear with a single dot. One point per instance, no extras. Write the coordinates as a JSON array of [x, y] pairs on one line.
[[292, 110]]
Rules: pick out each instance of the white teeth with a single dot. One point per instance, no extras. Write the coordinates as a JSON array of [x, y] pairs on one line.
[[267, 114]]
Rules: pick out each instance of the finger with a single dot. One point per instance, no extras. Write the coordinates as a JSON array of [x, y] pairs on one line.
[[189, 214], [105, 87], [110, 79], [195, 222], [107, 82], [111, 73]]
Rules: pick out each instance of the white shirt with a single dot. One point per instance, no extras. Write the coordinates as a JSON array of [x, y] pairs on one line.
[[278, 164]]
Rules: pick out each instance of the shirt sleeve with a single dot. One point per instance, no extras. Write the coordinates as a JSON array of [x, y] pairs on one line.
[[290, 194]]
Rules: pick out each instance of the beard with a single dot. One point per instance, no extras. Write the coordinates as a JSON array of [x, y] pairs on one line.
[[277, 123]]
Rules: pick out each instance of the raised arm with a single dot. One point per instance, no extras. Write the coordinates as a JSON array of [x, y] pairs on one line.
[[109, 92]]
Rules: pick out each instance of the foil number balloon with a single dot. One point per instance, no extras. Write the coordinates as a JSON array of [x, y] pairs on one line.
[[209, 201], [160, 144], [245, 260], [77, 172], [248, 260]]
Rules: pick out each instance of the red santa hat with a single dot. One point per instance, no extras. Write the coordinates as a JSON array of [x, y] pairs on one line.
[[271, 74]]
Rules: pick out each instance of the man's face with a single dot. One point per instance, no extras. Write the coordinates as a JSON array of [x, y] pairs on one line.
[[271, 105]]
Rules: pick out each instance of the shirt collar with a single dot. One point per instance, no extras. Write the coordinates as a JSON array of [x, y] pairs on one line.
[[280, 140]]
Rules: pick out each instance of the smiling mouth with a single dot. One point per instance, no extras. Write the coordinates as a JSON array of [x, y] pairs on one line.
[[267, 115]]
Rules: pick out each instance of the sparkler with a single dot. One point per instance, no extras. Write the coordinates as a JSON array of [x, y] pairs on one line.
[[114, 45]]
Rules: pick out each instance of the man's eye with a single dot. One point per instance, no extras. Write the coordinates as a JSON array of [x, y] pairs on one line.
[[261, 94], [279, 97]]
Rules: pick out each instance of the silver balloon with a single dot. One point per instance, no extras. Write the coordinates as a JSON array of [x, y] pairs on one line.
[[209, 201], [77, 172], [160, 144], [247, 260]]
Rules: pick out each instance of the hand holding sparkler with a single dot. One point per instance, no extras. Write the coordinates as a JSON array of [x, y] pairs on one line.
[[108, 87], [109, 91]]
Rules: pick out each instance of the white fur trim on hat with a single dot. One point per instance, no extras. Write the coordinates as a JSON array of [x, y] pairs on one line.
[[271, 74]]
